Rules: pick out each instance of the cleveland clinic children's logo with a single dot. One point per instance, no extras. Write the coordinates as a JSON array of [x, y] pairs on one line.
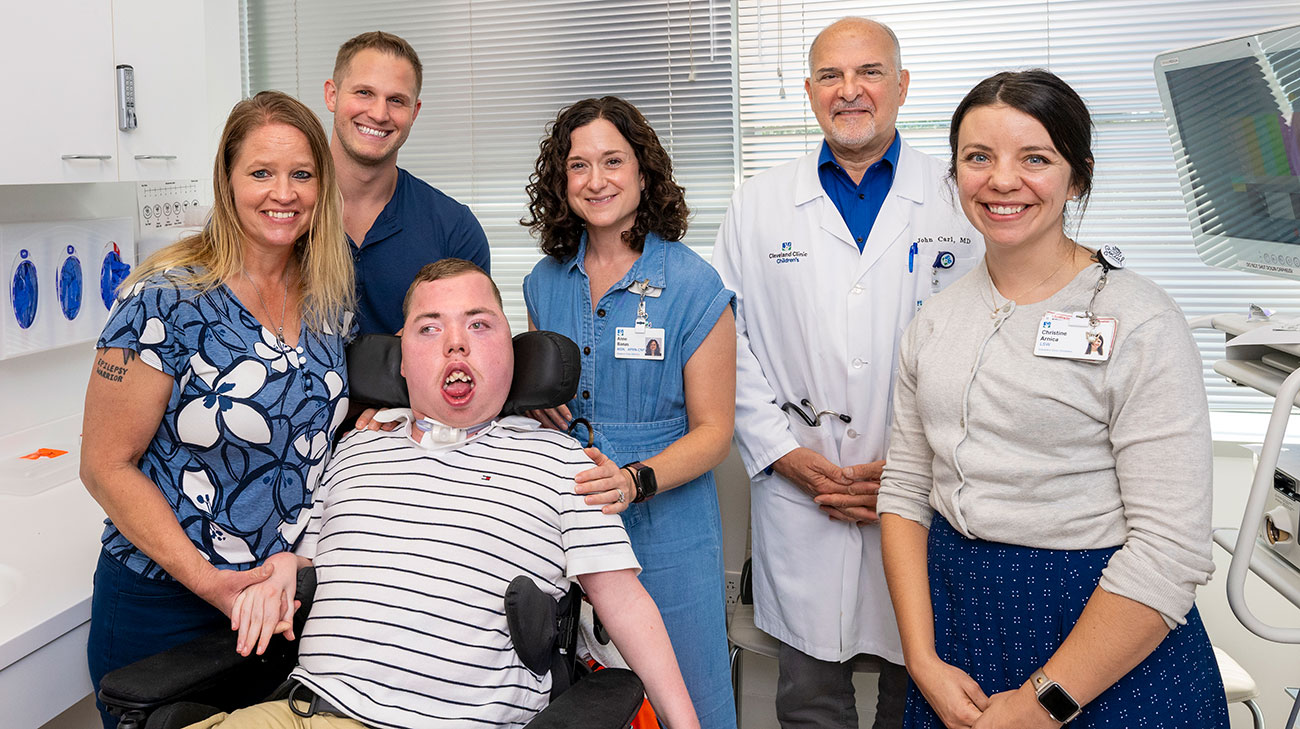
[[788, 253]]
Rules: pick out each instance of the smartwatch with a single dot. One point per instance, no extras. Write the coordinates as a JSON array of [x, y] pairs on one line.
[[644, 478], [1051, 696]]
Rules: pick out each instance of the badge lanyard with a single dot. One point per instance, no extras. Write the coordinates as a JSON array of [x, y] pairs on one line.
[[1110, 257], [642, 318], [1082, 335], [640, 341], [1092, 303]]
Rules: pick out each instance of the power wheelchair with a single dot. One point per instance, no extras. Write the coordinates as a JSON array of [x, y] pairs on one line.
[[196, 680]]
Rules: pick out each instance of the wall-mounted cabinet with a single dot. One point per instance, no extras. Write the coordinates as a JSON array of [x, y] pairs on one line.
[[62, 57], [59, 127], [163, 41]]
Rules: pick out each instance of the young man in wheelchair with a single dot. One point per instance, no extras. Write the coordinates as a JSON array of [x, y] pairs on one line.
[[416, 533]]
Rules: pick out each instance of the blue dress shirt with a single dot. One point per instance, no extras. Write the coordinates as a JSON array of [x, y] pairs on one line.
[[859, 204]]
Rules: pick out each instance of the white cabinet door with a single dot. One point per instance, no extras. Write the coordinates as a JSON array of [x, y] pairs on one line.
[[164, 41], [60, 124]]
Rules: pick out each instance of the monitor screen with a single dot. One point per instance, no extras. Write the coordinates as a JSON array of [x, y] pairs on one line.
[[1233, 109]]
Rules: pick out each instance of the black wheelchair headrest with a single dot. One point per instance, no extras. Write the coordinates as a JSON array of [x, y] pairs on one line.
[[547, 367]]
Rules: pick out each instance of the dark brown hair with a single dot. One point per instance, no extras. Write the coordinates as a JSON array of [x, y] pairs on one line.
[[446, 268], [1044, 96], [662, 210], [380, 41]]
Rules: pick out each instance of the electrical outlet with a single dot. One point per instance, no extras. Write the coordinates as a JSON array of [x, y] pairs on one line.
[[732, 581]]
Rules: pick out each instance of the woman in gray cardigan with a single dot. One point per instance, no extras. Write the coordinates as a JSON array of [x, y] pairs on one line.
[[1046, 512]]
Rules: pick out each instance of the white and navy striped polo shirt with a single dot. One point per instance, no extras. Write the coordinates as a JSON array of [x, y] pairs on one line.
[[414, 549]]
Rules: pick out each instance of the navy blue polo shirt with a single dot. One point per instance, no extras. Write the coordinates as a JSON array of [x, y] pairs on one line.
[[419, 225], [859, 204]]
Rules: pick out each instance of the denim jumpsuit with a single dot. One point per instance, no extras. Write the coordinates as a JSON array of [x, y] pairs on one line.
[[637, 408]]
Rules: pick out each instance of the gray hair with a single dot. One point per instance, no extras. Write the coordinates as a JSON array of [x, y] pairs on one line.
[[893, 38]]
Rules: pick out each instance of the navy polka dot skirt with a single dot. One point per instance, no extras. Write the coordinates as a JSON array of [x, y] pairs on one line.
[[1000, 611]]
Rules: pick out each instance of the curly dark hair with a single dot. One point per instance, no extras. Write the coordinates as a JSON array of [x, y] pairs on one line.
[[662, 210]]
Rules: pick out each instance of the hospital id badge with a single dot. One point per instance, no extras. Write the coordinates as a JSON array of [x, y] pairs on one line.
[[1075, 336], [638, 343]]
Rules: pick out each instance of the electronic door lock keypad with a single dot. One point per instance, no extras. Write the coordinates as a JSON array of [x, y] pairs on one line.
[[126, 120]]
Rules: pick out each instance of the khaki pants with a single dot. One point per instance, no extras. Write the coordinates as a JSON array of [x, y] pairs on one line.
[[276, 715]]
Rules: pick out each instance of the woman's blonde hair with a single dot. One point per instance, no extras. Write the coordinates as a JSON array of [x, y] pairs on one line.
[[326, 285]]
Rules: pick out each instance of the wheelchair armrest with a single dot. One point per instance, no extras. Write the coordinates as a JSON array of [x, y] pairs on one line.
[[207, 669], [606, 699]]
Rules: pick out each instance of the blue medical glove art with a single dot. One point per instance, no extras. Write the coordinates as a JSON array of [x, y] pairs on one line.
[[69, 285], [23, 290], [111, 276]]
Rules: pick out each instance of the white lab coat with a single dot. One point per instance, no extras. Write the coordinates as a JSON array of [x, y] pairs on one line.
[[817, 319]]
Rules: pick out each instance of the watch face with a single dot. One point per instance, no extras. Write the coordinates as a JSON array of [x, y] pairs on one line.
[[1057, 702], [644, 478]]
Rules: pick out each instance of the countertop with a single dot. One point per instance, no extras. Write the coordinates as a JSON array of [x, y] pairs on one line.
[[49, 543]]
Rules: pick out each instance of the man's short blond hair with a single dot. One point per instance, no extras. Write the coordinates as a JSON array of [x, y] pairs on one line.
[[446, 268], [380, 41]]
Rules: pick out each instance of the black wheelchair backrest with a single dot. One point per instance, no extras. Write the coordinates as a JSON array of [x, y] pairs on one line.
[[547, 367]]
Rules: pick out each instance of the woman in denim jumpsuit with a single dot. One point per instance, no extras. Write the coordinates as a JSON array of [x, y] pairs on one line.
[[610, 217]]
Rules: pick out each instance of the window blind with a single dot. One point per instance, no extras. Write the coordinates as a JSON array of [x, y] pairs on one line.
[[1103, 48], [497, 71]]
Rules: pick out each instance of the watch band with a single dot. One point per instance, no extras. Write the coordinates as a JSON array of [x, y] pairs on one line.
[[643, 477], [1053, 697], [636, 490]]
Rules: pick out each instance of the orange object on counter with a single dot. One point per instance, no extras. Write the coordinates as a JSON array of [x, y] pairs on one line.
[[44, 453]]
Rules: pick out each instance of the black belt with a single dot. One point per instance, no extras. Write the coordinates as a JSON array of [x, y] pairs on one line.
[[316, 704]]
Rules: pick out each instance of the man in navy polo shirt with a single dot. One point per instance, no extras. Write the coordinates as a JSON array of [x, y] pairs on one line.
[[396, 222]]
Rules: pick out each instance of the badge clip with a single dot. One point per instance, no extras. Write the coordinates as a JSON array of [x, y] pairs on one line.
[[1110, 257], [642, 318], [944, 260]]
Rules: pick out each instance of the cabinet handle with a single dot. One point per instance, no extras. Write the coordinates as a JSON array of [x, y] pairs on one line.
[[87, 156], [155, 156]]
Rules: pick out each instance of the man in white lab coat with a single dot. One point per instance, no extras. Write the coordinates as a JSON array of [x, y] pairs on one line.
[[830, 256]]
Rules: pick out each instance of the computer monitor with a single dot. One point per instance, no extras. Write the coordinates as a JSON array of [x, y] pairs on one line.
[[1233, 112]]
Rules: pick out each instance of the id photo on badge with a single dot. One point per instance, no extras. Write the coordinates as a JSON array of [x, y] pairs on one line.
[[1095, 347]]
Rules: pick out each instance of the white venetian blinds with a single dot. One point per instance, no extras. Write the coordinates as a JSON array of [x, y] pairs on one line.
[[1104, 48], [496, 71]]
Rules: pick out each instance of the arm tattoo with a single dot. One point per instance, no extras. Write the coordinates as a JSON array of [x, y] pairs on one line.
[[127, 355], [109, 372]]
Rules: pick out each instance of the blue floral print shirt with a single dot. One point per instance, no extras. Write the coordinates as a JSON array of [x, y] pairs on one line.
[[247, 428]]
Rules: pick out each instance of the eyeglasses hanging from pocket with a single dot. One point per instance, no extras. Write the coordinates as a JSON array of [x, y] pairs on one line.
[[591, 432], [814, 419]]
